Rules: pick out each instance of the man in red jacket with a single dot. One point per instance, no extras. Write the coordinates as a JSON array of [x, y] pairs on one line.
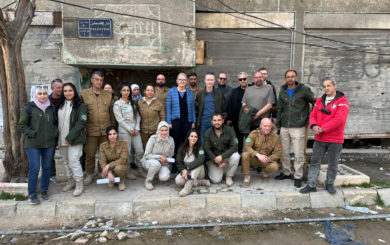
[[327, 121]]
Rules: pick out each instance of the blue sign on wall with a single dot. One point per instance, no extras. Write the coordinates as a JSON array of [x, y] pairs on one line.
[[95, 28]]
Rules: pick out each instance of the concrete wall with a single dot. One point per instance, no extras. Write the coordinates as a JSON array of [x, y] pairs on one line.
[[135, 42]]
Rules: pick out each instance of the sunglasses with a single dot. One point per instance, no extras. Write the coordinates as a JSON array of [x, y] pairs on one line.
[[242, 79], [222, 78]]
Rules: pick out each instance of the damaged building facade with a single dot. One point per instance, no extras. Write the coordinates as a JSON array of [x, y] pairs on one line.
[[136, 40]]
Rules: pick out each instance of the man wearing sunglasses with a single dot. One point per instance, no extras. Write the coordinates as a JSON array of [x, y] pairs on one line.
[[225, 89], [234, 106]]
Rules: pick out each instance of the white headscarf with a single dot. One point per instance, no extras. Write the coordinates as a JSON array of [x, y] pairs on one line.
[[160, 125]]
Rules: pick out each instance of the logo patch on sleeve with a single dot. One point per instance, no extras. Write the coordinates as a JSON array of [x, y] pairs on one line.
[[280, 145], [236, 140], [201, 152], [248, 140], [84, 117]]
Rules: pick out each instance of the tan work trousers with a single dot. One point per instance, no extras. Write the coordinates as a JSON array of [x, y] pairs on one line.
[[247, 161], [91, 147]]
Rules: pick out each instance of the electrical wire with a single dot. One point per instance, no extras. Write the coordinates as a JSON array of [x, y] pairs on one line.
[[299, 32], [216, 29]]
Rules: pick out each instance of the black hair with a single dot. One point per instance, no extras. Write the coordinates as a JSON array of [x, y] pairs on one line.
[[57, 80], [99, 73], [151, 85], [109, 128], [134, 105], [192, 74], [76, 98], [186, 144], [262, 69], [217, 114], [296, 74]]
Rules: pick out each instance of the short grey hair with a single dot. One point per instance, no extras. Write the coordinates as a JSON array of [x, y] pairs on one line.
[[329, 79], [181, 74], [242, 73]]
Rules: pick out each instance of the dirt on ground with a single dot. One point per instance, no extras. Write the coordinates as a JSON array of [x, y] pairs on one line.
[[374, 231]]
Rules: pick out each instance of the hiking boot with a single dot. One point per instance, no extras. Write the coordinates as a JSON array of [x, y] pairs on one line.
[[307, 189], [330, 188], [149, 185], [45, 195], [229, 181], [187, 188], [265, 176], [88, 179], [204, 182], [111, 185], [122, 185], [298, 183], [69, 185], [130, 176], [282, 176], [141, 173], [246, 182], [79, 188], [34, 200]]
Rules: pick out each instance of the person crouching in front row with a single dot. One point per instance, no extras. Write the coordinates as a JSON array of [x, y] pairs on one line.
[[113, 158], [159, 148], [190, 159]]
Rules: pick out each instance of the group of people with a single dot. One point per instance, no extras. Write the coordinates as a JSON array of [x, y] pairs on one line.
[[200, 134]]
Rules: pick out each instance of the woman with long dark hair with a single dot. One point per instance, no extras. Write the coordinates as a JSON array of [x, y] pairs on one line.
[[190, 159], [72, 118], [113, 158], [127, 115]]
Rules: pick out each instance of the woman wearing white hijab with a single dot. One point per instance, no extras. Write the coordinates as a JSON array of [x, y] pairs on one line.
[[38, 123], [159, 147]]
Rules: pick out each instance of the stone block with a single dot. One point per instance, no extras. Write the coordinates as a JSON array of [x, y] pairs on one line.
[[14, 188], [190, 202], [8, 208], [292, 200], [77, 207], [266, 200], [150, 203], [385, 196], [353, 177], [364, 196], [46, 208], [113, 208], [322, 199], [223, 200]]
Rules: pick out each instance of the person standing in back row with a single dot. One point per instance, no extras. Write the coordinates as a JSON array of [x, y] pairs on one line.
[[100, 116]]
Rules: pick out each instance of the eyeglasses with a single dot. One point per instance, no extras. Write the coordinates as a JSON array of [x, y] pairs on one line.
[[242, 79], [222, 78]]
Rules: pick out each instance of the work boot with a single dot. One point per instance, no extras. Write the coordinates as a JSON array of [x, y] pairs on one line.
[[204, 182], [130, 176], [330, 188], [34, 200], [298, 183], [265, 176], [282, 176], [122, 185], [141, 172], [187, 188], [149, 185], [79, 187], [307, 189], [229, 181], [69, 185], [88, 179], [111, 185], [247, 181]]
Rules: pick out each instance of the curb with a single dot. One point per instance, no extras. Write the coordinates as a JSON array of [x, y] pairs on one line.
[[195, 207]]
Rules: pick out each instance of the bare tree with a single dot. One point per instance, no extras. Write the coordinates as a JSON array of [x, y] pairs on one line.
[[13, 86]]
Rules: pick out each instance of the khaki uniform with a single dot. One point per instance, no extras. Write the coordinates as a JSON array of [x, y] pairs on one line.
[[151, 115], [162, 95], [195, 91], [116, 157], [100, 116], [265, 145]]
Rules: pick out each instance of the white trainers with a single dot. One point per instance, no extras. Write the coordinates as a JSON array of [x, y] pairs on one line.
[[149, 185], [229, 181], [246, 182]]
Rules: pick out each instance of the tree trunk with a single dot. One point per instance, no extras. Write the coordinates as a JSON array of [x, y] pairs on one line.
[[13, 86]]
